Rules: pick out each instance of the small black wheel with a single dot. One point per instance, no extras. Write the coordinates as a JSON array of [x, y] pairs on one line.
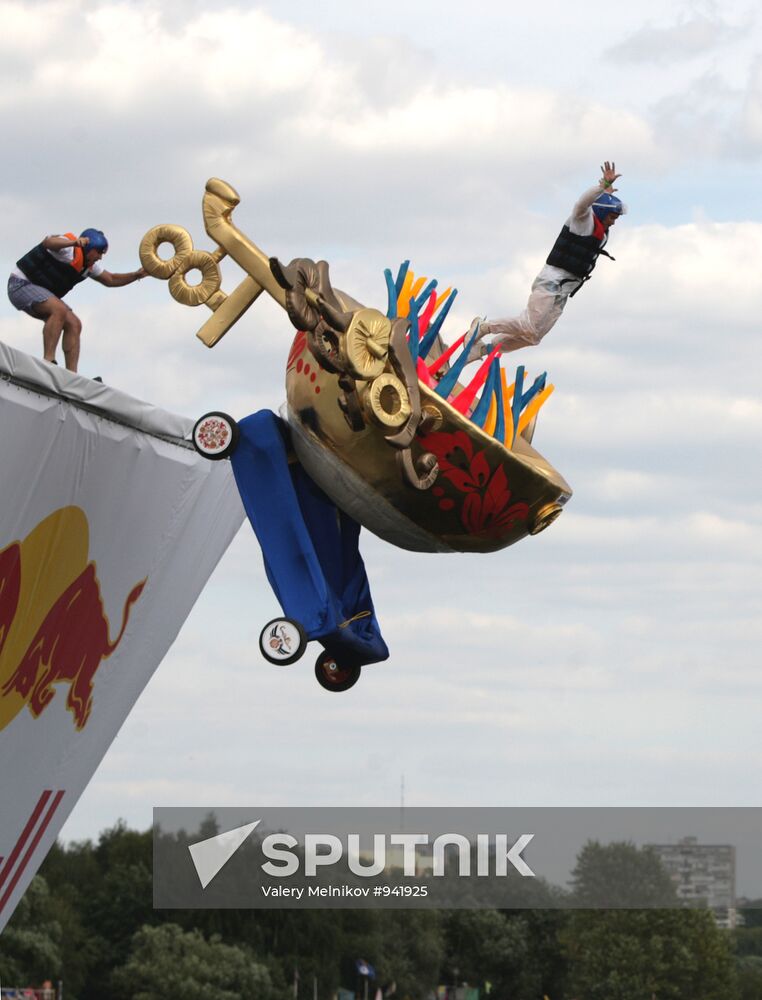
[[215, 436], [282, 641], [333, 676]]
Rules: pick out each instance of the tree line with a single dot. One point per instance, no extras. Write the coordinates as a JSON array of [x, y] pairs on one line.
[[88, 920]]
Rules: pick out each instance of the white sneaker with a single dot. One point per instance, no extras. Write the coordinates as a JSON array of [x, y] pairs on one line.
[[478, 349]]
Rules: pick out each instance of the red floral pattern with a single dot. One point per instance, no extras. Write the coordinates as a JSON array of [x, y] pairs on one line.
[[486, 507], [297, 348], [213, 434]]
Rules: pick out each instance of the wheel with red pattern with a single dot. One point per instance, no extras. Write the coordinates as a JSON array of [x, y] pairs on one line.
[[215, 436], [334, 676], [282, 641]]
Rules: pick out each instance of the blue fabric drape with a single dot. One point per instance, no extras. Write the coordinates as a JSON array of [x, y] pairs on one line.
[[310, 547]]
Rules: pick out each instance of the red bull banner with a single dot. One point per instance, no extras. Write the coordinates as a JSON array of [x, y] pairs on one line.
[[102, 507]]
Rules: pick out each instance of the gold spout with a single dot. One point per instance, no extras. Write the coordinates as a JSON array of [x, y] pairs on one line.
[[219, 201]]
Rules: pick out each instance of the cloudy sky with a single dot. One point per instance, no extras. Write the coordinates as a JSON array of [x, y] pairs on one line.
[[613, 660]]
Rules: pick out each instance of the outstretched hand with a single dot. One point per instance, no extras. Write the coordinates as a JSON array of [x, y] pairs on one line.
[[609, 175]]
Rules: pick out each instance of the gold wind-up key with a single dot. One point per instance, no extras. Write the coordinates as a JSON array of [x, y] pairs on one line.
[[218, 203]]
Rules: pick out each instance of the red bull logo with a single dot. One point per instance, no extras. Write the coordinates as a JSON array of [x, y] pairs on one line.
[[53, 629]]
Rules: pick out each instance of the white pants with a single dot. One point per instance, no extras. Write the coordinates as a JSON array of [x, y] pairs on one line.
[[545, 305]]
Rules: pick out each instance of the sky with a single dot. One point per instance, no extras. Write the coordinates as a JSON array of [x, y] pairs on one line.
[[612, 660]]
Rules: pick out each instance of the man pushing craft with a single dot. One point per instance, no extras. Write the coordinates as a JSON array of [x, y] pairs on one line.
[[47, 272]]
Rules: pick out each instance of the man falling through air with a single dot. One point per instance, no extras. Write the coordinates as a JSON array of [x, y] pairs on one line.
[[569, 265]]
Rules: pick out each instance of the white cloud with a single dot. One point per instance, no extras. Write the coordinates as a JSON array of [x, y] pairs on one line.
[[243, 91], [752, 108], [686, 39], [26, 31], [120, 54]]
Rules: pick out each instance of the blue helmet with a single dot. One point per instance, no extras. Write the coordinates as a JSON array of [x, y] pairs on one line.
[[97, 241], [606, 203]]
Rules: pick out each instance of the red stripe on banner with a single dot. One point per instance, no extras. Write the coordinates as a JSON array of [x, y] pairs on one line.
[[24, 836], [33, 846]]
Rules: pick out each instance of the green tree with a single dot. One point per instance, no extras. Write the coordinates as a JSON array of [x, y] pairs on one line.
[[169, 962], [752, 913], [30, 947], [632, 954], [544, 972], [104, 896], [749, 975], [410, 950], [747, 941], [620, 874], [482, 945]]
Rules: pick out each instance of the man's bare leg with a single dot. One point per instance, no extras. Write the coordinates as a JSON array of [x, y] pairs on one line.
[[71, 331], [57, 319]]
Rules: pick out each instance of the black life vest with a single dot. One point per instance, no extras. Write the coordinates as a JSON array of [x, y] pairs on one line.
[[579, 254], [42, 268]]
